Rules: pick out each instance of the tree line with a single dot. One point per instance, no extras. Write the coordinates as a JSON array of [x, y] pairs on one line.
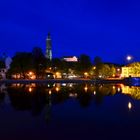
[[23, 62]]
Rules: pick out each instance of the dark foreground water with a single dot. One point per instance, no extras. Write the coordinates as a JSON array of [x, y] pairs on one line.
[[69, 112]]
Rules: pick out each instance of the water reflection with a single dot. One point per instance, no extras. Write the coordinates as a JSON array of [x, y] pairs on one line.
[[36, 97], [129, 105]]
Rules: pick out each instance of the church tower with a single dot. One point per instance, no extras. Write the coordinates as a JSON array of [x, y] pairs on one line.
[[49, 47]]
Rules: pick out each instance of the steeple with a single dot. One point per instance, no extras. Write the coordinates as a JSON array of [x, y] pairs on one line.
[[49, 47]]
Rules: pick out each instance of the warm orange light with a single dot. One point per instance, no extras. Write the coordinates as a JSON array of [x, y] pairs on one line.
[[118, 69], [113, 87], [57, 89], [94, 67], [30, 89], [58, 75], [86, 88], [50, 92], [85, 73], [122, 85], [129, 105], [119, 89], [30, 73]]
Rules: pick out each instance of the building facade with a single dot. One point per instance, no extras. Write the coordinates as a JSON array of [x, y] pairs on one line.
[[71, 59], [49, 47], [128, 71]]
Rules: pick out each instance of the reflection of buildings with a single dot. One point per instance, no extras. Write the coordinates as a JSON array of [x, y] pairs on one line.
[[49, 47], [2, 88], [134, 92]]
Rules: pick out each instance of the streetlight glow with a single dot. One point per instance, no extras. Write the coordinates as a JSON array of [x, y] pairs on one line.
[[129, 105], [129, 57]]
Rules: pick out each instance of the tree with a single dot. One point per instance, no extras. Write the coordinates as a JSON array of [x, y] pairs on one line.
[[39, 62], [135, 68], [104, 71], [22, 63], [2, 64], [84, 64], [98, 64]]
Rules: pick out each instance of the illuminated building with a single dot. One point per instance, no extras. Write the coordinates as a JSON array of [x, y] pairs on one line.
[[49, 47], [129, 71], [71, 59]]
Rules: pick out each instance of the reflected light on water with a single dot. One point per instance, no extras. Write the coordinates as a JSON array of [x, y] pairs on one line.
[[129, 105], [70, 85], [85, 88], [48, 85], [113, 87], [118, 89], [30, 89], [50, 92], [94, 92], [73, 95]]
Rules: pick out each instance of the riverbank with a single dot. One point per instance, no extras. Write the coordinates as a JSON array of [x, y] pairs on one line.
[[93, 81]]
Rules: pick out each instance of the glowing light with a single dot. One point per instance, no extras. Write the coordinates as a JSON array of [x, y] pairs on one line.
[[94, 92], [18, 84], [73, 95], [129, 105], [119, 89], [118, 69], [30, 89], [86, 88], [30, 73], [129, 57], [70, 85], [50, 92], [113, 87], [57, 89], [85, 73], [122, 85], [64, 84], [58, 75], [71, 59]]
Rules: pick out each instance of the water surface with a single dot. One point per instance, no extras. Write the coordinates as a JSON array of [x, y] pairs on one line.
[[69, 111]]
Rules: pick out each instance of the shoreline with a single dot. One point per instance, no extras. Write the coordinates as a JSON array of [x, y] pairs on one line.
[[39, 81]]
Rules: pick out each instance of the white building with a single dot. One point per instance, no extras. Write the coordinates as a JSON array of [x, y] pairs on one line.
[[71, 59], [4, 70]]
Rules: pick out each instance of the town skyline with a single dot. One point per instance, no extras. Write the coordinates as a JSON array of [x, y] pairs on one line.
[[53, 55]]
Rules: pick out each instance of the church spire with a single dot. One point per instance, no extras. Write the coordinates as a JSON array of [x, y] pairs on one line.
[[49, 47]]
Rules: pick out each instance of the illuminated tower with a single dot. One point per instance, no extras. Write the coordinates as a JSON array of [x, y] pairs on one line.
[[49, 47]]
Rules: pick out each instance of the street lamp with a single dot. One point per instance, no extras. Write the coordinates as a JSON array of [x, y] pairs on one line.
[[85, 74], [129, 57]]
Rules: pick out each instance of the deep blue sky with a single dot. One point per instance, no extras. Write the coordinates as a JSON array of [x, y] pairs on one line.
[[106, 28]]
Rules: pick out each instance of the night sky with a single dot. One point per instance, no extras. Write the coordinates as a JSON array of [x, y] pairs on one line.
[[106, 28]]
